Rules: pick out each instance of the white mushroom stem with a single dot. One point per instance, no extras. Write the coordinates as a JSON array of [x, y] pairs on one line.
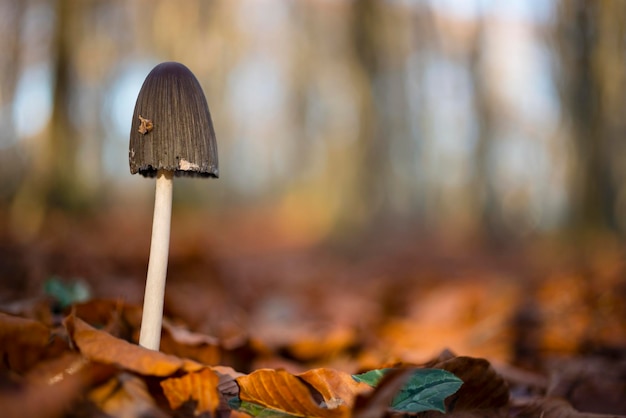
[[150, 335]]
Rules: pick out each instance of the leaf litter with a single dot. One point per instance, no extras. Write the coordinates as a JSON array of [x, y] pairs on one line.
[[289, 330]]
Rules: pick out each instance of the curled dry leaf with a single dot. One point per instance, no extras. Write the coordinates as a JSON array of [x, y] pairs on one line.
[[102, 347], [483, 388], [181, 342], [23, 342], [114, 316], [199, 387], [69, 365], [335, 387], [227, 385], [125, 395], [281, 391]]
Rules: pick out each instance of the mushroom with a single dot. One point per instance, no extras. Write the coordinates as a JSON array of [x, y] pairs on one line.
[[171, 135]]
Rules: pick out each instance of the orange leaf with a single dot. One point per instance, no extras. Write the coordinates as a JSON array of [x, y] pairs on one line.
[[125, 395], [49, 387], [336, 387], [200, 387], [22, 341], [284, 392], [104, 348], [316, 343], [116, 317], [180, 342]]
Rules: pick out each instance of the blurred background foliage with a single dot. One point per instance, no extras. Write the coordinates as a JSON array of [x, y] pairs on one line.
[[470, 116]]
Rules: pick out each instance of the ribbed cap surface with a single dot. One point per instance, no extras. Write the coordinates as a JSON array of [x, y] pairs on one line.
[[172, 127]]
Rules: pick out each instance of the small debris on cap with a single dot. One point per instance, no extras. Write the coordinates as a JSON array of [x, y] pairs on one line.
[[145, 125]]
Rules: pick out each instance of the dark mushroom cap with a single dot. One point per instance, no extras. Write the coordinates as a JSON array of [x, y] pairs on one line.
[[172, 127]]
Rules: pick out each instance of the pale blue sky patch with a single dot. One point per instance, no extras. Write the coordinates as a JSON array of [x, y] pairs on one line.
[[32, 106], [119, 106]]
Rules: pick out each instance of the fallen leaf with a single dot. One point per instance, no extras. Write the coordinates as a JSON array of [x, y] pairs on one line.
[[336, 387], [376, 404], [50, 387], [35, 308], [70, 365], [119, 319], [104, 348], [23, 342], [181, 342], [424, 390], [483, 388], [227, 385], [127, 396], [554, 408], [322, 343], [280, 391], [590, 384], [199, 387], [65, 293]]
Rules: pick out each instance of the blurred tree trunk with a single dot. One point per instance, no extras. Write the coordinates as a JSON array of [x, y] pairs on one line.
[[372, 157], [61, 150], [9, 62], [52, 178], [11, 44], [589, 39], [484, 202], [379, 37]]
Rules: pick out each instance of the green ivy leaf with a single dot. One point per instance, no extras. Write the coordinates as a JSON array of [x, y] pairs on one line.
[[372, 377], [66, 293], [425, 390]]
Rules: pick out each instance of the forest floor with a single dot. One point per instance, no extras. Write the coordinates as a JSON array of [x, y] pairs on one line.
[[248, 292]]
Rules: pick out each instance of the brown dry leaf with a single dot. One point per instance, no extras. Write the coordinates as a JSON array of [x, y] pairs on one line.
[[23, 342], [565, 315], [555, 408], [589, 384], [49, 388], [36, 308], [65, 366], [284, 392], [102, 347], [227, 386], [42, 401], [116, 317], [181, 342], [376, 404], [336, 387], [200, 387], [483, 388], [471, 316], [125, 395], [320, 343]]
